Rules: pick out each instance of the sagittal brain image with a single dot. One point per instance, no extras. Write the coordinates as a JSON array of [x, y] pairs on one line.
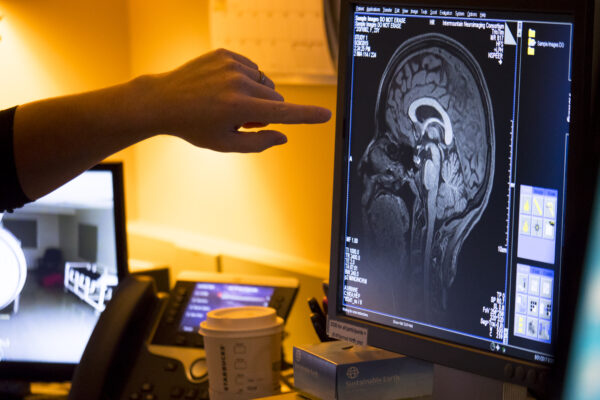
[[428, 169]]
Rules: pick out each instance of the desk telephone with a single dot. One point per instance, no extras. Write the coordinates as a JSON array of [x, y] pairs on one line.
[[146, 346]]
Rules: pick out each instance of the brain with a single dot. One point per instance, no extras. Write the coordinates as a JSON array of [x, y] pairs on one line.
[[432, 94], [428, 167]]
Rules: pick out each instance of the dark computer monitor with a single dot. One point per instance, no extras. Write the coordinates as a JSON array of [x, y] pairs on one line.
[[62, 256], [462, 176]]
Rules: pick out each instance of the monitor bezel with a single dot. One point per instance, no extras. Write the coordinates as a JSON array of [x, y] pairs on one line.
[[581, 168], [62, 372]]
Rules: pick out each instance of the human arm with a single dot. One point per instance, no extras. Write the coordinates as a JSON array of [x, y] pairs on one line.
[[204, 102]]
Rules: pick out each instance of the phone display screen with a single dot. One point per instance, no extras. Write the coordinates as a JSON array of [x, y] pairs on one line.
[[208, 296]]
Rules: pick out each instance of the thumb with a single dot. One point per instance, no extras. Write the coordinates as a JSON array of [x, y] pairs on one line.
[[254, 142]]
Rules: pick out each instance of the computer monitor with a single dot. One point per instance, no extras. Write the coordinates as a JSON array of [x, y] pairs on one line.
[[582, 364], [461, 181], [62, 256]]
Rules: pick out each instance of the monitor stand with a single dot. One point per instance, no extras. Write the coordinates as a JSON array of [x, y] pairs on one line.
[[449, 383]]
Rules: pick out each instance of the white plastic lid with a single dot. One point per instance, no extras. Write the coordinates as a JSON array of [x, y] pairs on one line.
[[241, 322]]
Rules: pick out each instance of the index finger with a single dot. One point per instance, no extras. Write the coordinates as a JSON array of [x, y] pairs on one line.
[[278, 112]]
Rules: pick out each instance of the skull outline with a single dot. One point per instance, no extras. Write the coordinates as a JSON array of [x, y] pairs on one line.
[[430, 163]]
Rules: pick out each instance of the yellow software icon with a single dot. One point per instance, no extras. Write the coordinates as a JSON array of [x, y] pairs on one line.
[[537, 202], [531, 33], [526, 227]]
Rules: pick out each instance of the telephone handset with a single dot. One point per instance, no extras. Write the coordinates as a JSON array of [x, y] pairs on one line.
[[116, 340], [120, 362]]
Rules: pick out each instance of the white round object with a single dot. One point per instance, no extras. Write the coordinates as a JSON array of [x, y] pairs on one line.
[[13, 268], [242, 321], [243, 352]]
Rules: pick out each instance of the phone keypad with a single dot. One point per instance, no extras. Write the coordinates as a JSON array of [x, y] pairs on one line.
[[146, 392]]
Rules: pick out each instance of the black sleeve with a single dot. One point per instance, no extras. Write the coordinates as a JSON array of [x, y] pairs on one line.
[[11, 193]]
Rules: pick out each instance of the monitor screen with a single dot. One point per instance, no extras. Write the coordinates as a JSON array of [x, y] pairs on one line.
[[64, 254], [453, 144]]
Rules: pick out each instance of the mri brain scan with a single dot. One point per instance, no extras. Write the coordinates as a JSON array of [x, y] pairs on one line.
[[428, 169]]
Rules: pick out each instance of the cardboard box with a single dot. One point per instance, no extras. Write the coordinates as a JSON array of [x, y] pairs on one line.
[[340, 370]]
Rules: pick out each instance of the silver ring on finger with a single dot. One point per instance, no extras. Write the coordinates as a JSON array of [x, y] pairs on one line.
[[262, 79]]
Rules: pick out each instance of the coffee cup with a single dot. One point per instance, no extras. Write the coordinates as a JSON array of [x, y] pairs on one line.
[[243, 352]]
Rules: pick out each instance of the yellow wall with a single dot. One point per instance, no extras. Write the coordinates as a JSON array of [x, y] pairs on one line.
[[279, 200], [56, 47], [53, 47]]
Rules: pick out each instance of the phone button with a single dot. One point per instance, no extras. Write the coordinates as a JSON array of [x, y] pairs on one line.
[[176, 392], [198, 368], [170, 366], [199, 341]]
